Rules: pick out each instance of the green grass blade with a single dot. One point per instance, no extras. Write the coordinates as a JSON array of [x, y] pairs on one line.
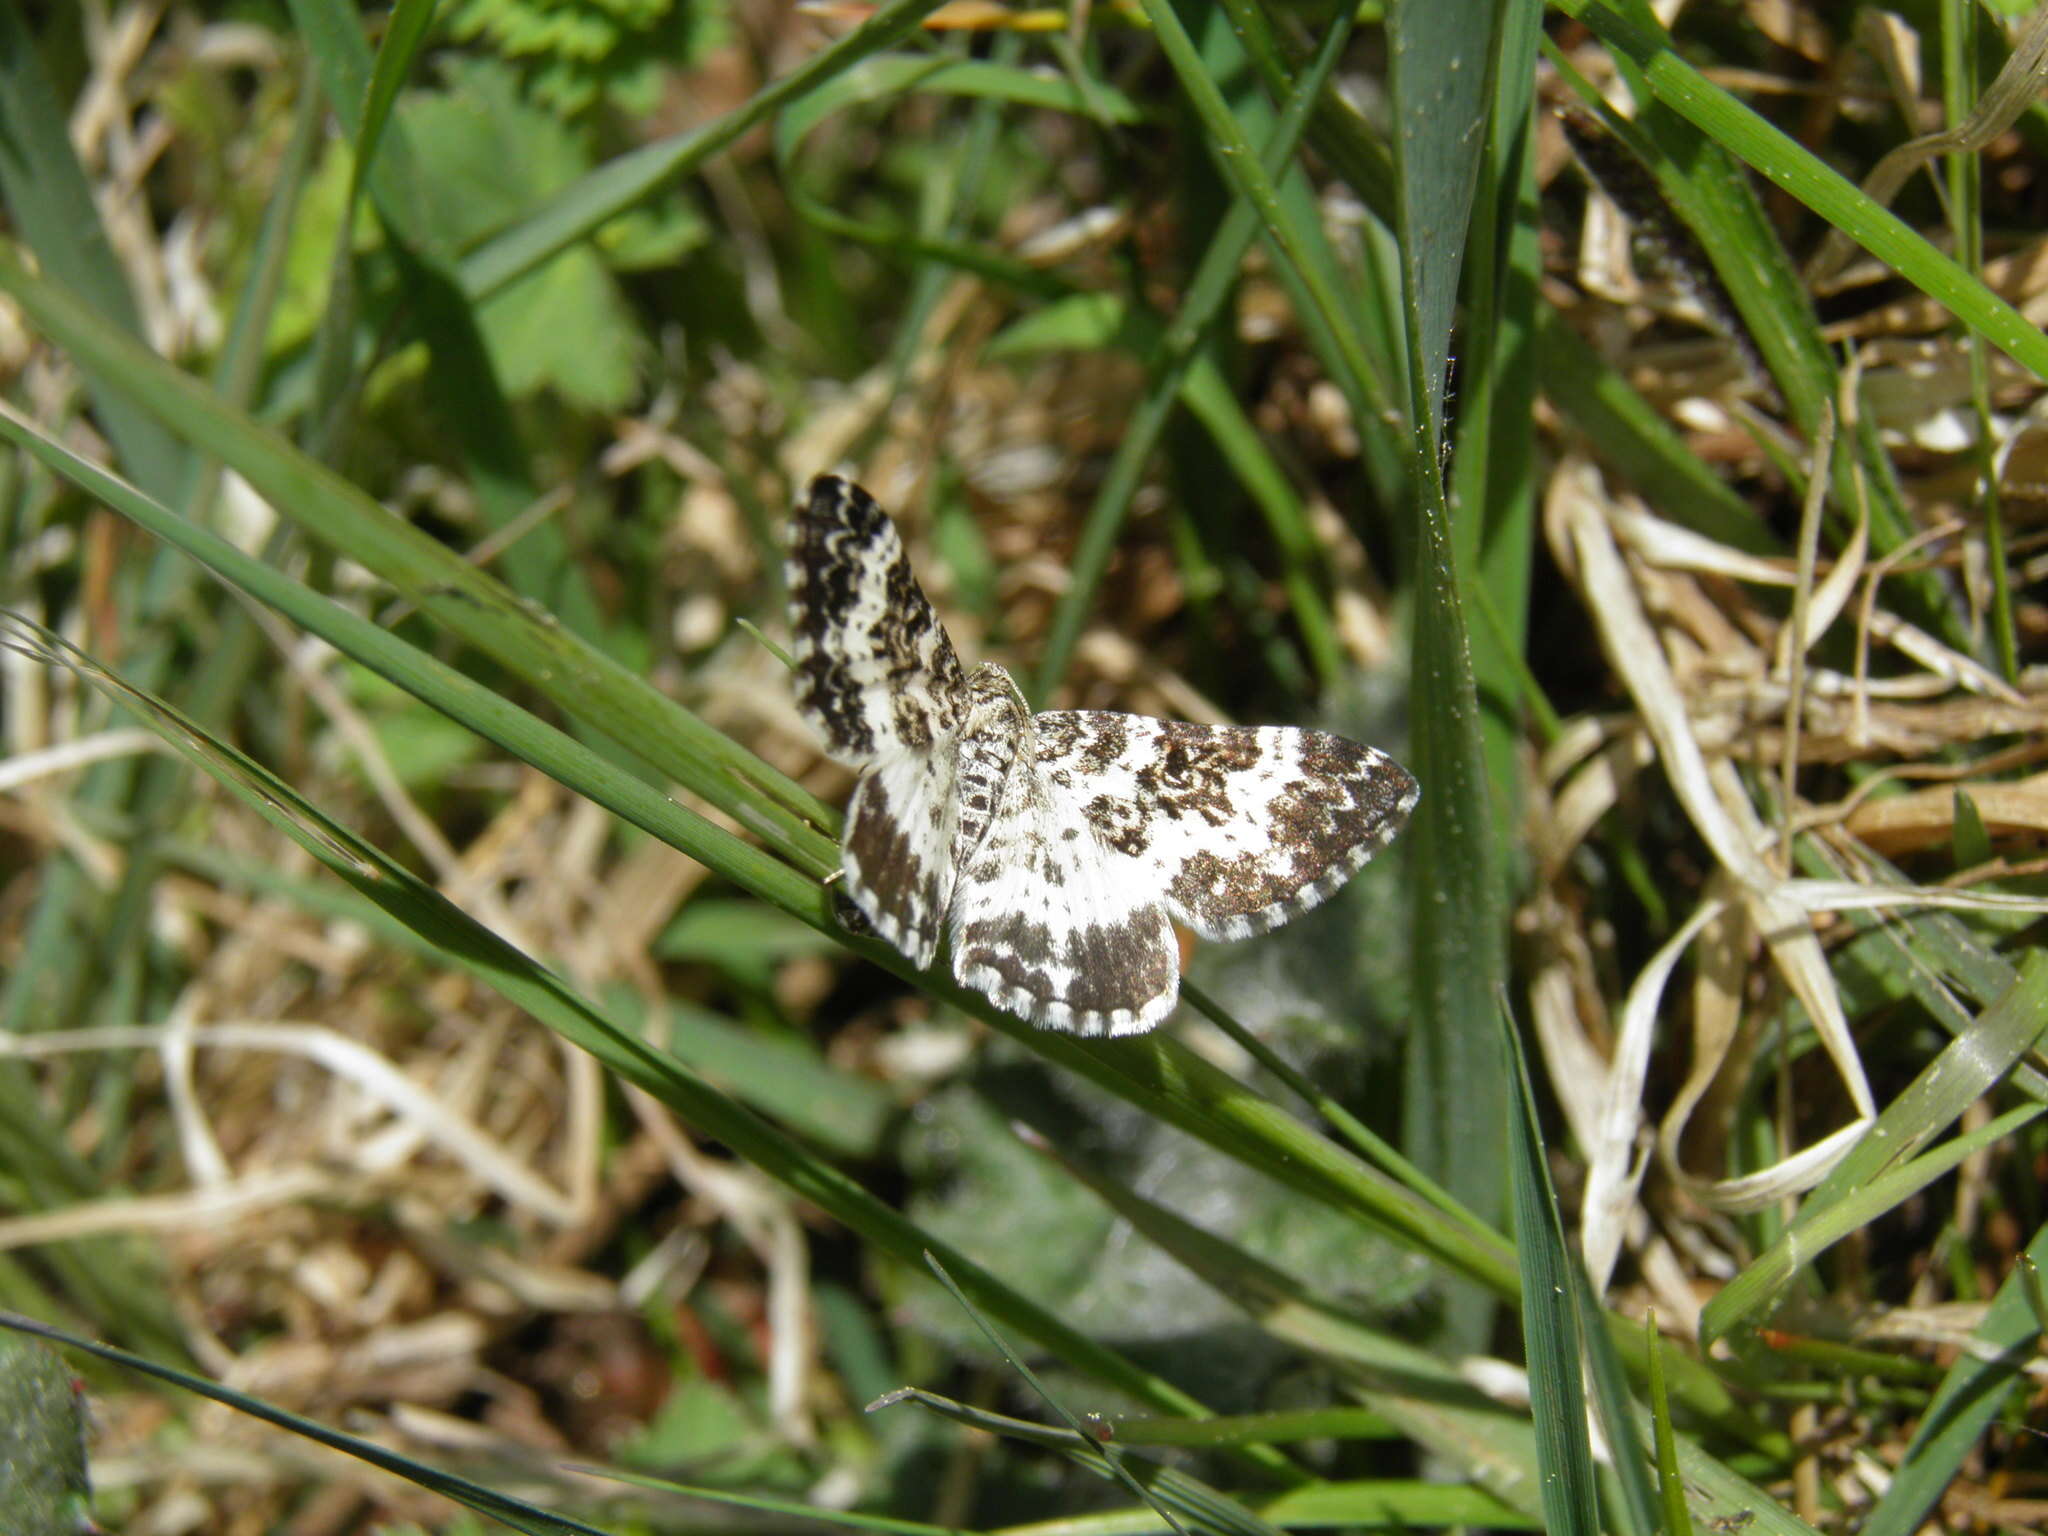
[[474, 705], [462, 381], [1625, 432], [1712, 197], [1550, 1317], [1454, 1094], [1495, 440]]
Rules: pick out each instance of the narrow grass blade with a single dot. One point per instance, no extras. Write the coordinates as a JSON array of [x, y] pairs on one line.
[[1627, 1480], [1670, 1489], [1550, 1316], [1174, 367], [1090, 321]]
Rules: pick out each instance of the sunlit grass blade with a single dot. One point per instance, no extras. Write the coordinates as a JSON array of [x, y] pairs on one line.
[[1758, 1286], [1769, 152], [1965, 1070]]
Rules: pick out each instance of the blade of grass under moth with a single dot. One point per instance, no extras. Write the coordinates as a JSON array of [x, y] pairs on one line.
[[468, 946], [1414, 1389], [1101, 1454]]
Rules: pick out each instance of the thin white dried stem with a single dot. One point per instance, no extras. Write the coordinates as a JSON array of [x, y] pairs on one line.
[[347, 1059], [181, 1212], [25, 769]]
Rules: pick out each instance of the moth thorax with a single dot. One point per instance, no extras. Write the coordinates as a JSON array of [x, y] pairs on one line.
[[996, 730]]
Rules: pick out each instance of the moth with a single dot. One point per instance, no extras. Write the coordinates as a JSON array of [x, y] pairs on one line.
[[1056, 850]]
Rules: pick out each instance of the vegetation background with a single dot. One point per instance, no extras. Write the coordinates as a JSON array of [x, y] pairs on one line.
[[426, 1040]]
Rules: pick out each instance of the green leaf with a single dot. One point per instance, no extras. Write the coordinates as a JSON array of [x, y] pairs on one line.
[[1971, 841]]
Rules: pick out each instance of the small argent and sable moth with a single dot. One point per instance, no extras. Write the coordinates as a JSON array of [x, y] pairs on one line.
[[1054, 848]]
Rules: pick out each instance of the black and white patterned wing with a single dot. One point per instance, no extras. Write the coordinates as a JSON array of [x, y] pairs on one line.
[[897, 850], [876, 673], [1052, 928], [1236, 828]]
